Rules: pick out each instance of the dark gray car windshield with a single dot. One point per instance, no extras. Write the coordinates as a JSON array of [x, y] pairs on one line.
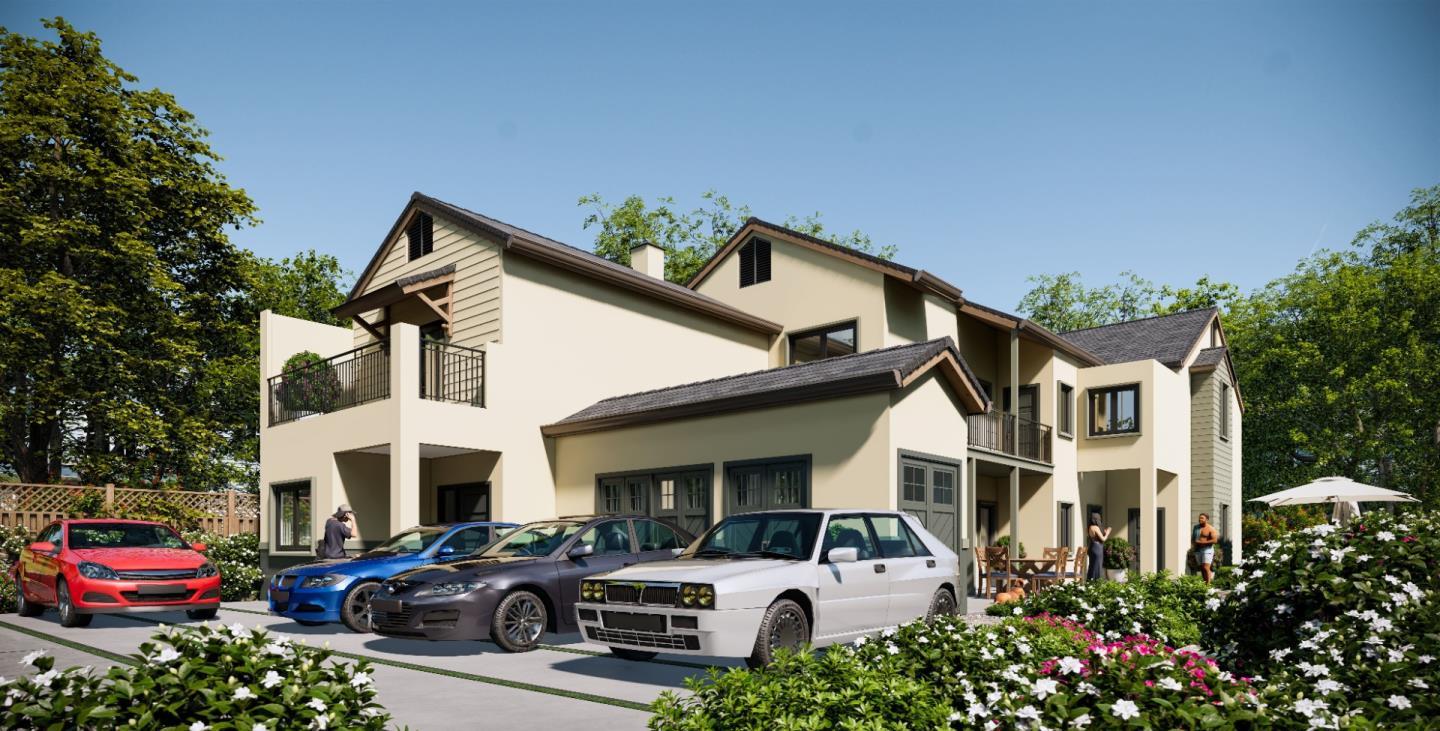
[[767, 535], [536, 539]]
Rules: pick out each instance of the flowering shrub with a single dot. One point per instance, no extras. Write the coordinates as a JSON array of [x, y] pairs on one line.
[[1119, 554], [1259, 528], [13, 538], [203, 679], [310, 384], [1343, 621], [238, 558], [1158, 605]]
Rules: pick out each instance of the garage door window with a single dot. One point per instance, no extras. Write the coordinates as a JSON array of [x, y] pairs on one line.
[[767, 484], [680, 495]]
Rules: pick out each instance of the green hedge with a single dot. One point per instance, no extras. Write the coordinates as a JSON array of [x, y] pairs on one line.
[[238, 558], [217, 679]]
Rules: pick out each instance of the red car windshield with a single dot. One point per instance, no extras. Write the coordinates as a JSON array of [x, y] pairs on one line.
[[123, 535]]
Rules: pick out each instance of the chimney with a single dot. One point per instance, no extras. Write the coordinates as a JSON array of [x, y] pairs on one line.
[[648, 258]]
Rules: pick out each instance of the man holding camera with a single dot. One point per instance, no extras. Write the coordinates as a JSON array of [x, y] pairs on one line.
[[339, 528]]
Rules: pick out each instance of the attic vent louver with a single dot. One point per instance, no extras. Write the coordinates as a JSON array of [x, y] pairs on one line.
[[754, 262], [420, 235]]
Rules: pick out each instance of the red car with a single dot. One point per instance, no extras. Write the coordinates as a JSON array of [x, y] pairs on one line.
[[89, 567]]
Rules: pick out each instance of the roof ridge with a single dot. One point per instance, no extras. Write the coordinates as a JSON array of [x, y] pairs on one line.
[[1211, 308], [776, 369], [507, 224], [826, 242]]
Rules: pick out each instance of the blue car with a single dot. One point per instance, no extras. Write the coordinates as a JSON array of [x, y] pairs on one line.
[[339, 590]]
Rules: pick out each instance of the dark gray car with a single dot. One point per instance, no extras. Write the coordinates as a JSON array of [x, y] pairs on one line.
[[522, 585]]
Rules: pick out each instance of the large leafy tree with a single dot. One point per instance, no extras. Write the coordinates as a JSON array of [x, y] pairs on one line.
[[1062, 302], [123, 305], [690, 238], [1341, 359]]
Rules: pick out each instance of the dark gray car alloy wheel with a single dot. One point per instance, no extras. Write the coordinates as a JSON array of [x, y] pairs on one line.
[[355, 612], [519, 622], [941, 605], [784, 625], [69, 617]]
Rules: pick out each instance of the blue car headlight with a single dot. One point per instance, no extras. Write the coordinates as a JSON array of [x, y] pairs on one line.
[[322, 581], [450, 588], [91, 570]]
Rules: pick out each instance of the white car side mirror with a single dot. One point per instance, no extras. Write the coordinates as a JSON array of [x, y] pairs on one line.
[[843, 555]]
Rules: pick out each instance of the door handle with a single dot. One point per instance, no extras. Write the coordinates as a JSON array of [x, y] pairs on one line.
[[929, 563], [879, 568]]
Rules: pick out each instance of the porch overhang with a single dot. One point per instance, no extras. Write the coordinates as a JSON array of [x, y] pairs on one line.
[[416, 286]]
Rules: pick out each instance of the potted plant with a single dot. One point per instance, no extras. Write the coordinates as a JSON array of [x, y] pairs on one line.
[[1004, 542], [1119, 554]]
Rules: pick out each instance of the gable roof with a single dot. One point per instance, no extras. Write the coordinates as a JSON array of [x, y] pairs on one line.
[[1166, 338], [526, 243], [885, 369], [917, 278], [1034, 330]]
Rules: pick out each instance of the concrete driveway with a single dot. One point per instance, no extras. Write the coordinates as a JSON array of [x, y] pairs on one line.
[[426, 685]]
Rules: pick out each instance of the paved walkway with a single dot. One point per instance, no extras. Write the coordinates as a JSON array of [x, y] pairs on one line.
[[425, 685]]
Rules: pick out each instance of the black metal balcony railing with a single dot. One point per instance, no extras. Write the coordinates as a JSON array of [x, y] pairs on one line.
[[452, 373], [351, 378], [993, 431]]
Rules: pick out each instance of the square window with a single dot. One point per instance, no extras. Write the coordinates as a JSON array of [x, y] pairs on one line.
[[826, 342], [292, 516], [1115, 410]]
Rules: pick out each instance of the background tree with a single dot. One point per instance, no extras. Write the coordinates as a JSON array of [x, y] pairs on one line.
[[1063, 303], [128, 346], [690, 238]]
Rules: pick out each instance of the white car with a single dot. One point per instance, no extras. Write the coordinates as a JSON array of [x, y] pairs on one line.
[[757, 582]]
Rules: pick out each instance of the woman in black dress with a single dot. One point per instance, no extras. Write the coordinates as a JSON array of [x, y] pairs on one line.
[[1096, 546]]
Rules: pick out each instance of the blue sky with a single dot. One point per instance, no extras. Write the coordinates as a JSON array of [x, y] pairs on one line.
[[988, 141]]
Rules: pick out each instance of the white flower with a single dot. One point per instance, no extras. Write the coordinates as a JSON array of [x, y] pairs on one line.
[[1081, 721], [1426, 659], [1045, 687], [238, 631], [1314, 671], [1171, 684], [1385, 535], [862, 639], [1362, 558], [1028, 712], [1337, 555], [271, 679], [32, 657], [43, 679], [1125, 709], [1399, 701], [892, 649], [889, 632], [199, 726], [243, 693], [360, 680], [1241, 587], [258, 727], [1070, 666], [1326, 686], [317, 704], [1018, 611], [1323, 529], [1023, 647], [167, 654], [1418, 683], [1308, 707], [1212, 604]]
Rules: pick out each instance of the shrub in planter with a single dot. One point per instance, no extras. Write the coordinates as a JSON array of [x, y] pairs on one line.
[[1004, 542], [1159, 605], [1119, 554], [213, 678], [309, 384], [238, 558], [1342, 621]]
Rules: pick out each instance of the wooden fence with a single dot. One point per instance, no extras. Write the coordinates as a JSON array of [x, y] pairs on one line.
[[35, 506]]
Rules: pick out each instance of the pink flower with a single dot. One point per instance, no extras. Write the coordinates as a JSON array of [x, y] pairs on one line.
[[1149, 684]]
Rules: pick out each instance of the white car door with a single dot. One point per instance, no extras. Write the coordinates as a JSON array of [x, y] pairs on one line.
[[853, 596], [914, 574]]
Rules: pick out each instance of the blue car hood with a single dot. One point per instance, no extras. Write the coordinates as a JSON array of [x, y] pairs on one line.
[[363, 565]]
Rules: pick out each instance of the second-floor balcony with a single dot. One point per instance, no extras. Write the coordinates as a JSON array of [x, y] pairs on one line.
[[1009, 434], [448, 372]]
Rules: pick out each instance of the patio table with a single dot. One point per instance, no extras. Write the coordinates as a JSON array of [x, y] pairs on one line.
[[1025, 569]]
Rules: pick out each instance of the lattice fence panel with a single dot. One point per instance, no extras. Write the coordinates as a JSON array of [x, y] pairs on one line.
[[35, 506]]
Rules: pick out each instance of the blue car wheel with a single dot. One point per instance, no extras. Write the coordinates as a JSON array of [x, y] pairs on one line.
[[355, 609]]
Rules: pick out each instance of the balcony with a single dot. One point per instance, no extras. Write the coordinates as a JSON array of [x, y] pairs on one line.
[[996, 432], [450, 373]]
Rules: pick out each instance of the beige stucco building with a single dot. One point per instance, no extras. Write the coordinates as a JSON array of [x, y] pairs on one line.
[[492, 373]]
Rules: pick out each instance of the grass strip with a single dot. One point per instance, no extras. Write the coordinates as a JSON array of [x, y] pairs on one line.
[[488, 679], [555, 648], [113, 657]]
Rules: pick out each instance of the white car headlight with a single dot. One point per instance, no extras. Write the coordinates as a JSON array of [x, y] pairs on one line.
[[451, 588], [322, 581]]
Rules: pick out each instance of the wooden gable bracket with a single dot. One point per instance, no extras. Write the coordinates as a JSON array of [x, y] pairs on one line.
[[444, 305], [374, 330]]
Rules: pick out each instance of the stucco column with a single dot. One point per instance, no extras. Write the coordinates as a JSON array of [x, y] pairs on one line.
[[1014, 409], [404, 450], [1148, 486], [1014, 511]]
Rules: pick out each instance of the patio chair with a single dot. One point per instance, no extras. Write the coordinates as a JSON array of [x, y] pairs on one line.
[[1056, 573], [994, 565], [1081, 562]]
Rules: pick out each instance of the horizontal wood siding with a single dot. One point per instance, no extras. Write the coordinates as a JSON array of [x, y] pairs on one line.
[[477, 280], [1211, 456]]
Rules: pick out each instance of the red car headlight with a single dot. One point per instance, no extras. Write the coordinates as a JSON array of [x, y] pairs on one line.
[[92, 570]]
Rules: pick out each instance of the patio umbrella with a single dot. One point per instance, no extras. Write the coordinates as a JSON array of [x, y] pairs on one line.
[[1344, 512], [1332, 490]]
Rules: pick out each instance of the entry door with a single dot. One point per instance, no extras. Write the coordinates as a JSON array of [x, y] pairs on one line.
[[463, 502], [927, 491], [1029, 401], [1133, 520], [1159, 539], [683, 498], [984, 524]]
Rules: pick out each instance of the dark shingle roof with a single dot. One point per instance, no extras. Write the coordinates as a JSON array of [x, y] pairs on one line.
[[425, 276], [875, 370], [1167, 338], [1210, 357]]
